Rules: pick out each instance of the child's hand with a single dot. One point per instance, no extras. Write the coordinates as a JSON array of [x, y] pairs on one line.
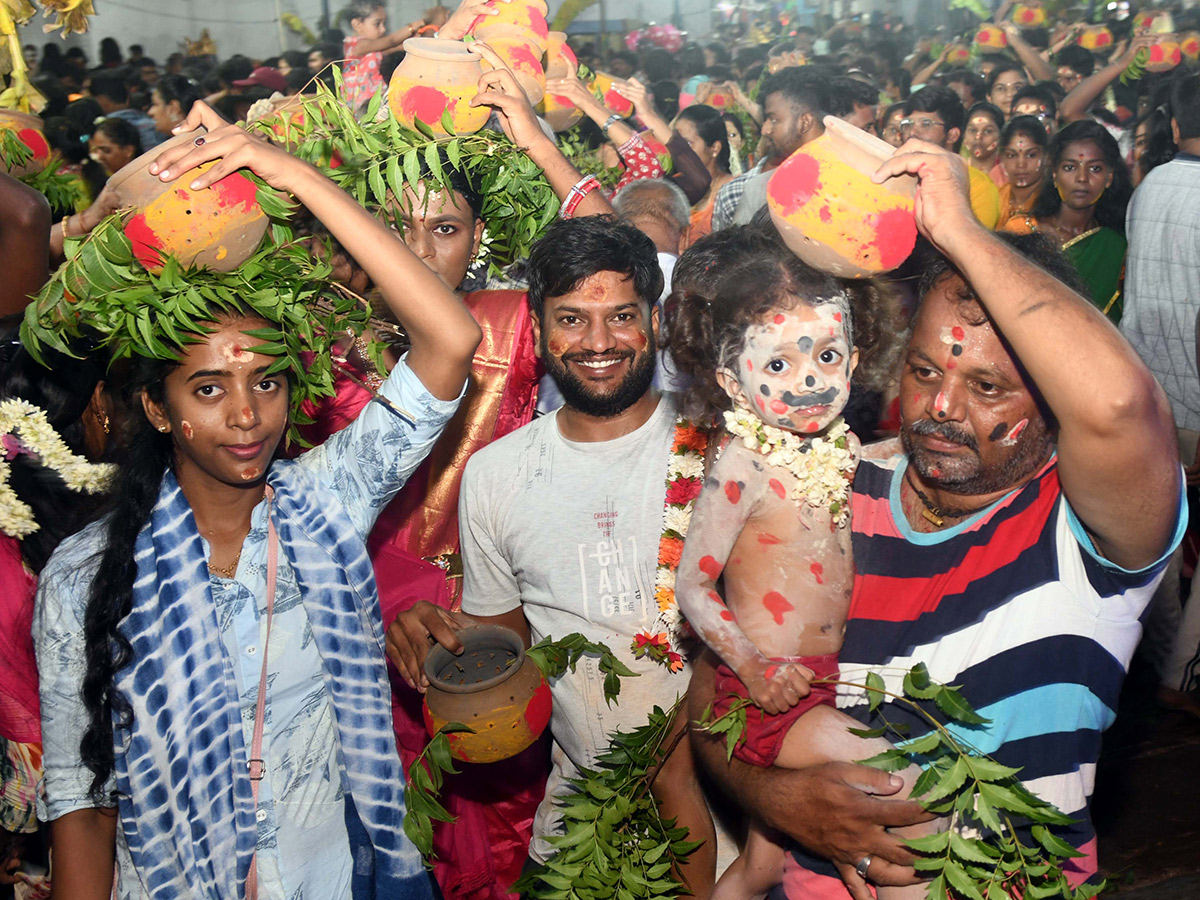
[[776, 687], [232, 145]]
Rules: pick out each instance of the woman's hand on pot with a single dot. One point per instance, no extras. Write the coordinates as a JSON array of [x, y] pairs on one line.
[[230, 147], [412, 633], [464, 17], [500, 90]]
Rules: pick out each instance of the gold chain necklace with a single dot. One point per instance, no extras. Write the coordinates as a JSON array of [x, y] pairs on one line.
[[228, 572]]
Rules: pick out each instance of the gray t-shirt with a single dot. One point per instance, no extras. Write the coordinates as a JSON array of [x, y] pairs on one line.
[[570, 531]]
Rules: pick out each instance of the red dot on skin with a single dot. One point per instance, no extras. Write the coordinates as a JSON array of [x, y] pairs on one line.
[[759, 401], [957, 333], [776, 604], [936, 473], [715, 597], [246, 412], [726, 615], [777, 487], [770, 671], [749, 366], [950, 364], [837, 317], [812, 426], [818, 571], [779, 319], [768, 539], [710, 567], [778, 406], [732, 491]]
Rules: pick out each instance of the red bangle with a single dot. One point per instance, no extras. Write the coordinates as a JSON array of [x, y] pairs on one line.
[[575, 196]]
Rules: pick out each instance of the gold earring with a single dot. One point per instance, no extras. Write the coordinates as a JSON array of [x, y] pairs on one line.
[[104, 422], [164, 428]]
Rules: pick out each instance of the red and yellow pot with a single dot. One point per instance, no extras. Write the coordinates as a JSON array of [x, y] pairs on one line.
[[1095, 37], [1028, 15], [437, 77], [991, 38], [28, 130], [610, 96]]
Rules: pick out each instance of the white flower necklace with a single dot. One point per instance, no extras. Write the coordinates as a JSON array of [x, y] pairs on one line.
[[823, 466], [24, 429]]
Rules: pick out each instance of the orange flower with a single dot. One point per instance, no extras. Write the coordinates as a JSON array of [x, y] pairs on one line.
[[669, 551], [664, 597], [689, 437]]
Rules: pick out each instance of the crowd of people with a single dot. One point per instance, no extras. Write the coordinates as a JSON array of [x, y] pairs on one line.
[[662, 430]]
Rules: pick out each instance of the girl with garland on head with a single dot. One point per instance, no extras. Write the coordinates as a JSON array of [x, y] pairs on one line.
[[53, 419], [215, 708], [769, 346]]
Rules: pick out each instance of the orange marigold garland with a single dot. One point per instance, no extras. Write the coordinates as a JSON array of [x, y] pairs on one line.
[[685, 476]]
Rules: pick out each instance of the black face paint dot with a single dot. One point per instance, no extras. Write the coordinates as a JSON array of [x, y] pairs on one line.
[[956, 349], [805, 344], [998, 432], [809, 381], [766, 391], [941, 415]]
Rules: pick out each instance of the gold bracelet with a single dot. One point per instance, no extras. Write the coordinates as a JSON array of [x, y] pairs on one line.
[[65, 230]]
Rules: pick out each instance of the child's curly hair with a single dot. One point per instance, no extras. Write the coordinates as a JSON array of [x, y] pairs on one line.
[[734, 278]]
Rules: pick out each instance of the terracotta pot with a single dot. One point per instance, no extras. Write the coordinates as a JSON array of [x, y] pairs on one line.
[[1189, 45], [218, 227], [1164, 56], [527, 15], [521, 55], [1096, 37], [959, 55], [28, 130], [433, 77], [991, 38], [617, 102], [1028, 16], [491, 687], [1158, 22], [721, 99], [832, 215], [561, 62]]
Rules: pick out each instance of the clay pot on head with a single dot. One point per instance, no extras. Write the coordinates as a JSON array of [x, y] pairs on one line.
[[218, 227], [561, 62], [527, 15], [991, 38], [1164, 55], [523, 56], [1028, 16], [610, 96], [28, 130], [493, 688], [832, 215], [1189, 45], [1095, 37], [958, 55], [436, 76]]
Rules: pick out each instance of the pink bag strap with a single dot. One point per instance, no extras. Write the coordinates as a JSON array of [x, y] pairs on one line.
[[256, 763]]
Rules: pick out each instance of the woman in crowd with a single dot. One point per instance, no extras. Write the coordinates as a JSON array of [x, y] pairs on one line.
[[64, 402], [981, 141], [889, 124], [151, 620], [170, 102], [704, 129], [114, 144], [1023, 156], [1082, 207]]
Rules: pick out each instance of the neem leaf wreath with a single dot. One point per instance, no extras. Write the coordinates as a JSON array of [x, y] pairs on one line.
[[104, 293]]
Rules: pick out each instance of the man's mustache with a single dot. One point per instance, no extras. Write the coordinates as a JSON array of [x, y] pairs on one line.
[[947, 431]]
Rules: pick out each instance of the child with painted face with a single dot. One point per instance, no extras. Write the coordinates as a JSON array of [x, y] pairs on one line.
[[766, 573]]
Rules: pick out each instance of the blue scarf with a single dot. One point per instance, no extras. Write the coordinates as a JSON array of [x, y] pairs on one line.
[[186, 806]]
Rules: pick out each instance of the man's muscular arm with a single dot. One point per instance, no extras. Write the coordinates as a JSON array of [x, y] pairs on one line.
[[730, 493], [1117, 455]]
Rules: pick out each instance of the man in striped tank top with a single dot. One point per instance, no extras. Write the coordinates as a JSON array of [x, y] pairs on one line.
[[1012, 547]]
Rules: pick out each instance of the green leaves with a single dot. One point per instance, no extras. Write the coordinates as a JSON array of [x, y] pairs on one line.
[[425, 779], [554, 657], [979, 853], [732, 724]]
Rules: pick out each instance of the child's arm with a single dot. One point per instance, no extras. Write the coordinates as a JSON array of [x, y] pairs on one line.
[[731, 493], [443, 333], [389, 41]]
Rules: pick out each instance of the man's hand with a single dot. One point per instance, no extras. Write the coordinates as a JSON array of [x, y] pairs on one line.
[[464, 17], [943, 201], [414, 632], [500, 90]]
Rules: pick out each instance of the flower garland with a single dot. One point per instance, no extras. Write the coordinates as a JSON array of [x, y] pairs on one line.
[[823, 466], [685, 477], [24, 429]]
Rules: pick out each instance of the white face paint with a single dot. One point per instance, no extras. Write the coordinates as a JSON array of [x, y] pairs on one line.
[[794, 372]]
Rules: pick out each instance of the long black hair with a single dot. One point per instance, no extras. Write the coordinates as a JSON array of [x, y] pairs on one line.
[[710, 125], [62, 389], [1110, 208], [144, 458]]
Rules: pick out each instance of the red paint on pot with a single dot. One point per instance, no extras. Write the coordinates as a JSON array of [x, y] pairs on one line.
[[424, 103]]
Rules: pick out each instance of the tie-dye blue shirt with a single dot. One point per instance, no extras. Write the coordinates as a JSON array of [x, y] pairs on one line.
[[303, 848]]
